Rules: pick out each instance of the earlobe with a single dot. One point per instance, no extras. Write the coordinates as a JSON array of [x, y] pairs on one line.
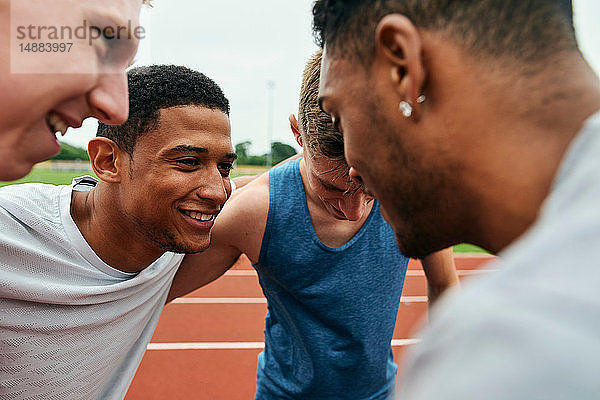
[[399, 46], [295, 129], [105, 158]]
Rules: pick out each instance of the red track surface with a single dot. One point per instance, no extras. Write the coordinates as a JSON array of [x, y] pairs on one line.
[[193, 356]]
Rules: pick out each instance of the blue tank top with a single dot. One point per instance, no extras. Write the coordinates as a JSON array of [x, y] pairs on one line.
[[331, 311]]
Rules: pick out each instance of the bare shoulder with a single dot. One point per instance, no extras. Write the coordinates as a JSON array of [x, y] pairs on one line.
[[249, 203], [243, 219]]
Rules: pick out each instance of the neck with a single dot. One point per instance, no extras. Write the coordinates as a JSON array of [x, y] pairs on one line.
[[526, 147], [108, 231]]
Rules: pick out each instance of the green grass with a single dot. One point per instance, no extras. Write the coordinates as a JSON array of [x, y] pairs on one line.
[[56, 177], [45, 175], [468, 248]]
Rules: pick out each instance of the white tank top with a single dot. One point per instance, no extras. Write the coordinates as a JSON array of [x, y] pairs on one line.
[[71, 326]]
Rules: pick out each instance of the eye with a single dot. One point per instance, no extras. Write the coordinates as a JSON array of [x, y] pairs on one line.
[[225, 168], [187, 162]]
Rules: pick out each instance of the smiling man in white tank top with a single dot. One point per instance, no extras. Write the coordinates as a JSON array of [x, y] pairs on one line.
[[85, 269]]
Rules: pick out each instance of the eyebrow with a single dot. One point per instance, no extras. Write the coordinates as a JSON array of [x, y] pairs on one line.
[[200, 150], [189, 149]]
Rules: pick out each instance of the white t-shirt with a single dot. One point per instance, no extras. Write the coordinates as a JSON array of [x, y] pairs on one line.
[[71, 326], [532, 329]]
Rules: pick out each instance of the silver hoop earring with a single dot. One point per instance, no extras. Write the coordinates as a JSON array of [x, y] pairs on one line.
[[406, 109]]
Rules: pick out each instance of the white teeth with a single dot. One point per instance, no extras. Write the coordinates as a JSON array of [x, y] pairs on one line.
[[56, 123], [199, 216], [205, 217]]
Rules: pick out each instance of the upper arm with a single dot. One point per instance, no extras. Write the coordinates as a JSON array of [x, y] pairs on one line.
[[238, 229], [243, 180], [440, 271]]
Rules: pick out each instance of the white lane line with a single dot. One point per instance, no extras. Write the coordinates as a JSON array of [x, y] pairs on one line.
[[241, 345], [414, 299], [410, 272], [458, 256], [460, 272], [262, 300], [240, 272], [206, 346], [404, 342], [467, 272], [220, 300]]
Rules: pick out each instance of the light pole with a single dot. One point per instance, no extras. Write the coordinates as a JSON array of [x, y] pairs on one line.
[[271, 90]]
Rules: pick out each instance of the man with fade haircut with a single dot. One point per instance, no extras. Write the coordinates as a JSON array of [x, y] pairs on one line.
[[85, 269], [45, 92], [327, 264], [477, 121]]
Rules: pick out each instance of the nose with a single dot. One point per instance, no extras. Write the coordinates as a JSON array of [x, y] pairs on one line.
[[355, 177], [109, 100], [215, 188]]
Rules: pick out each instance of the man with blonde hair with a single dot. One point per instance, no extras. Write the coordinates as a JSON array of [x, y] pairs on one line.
[[327, 264]]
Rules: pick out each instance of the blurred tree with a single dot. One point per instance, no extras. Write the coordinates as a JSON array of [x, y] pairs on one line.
[[68, 152], [281, 151], [241, 149]]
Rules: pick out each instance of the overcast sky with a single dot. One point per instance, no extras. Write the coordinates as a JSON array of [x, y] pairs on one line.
[[244, 44]]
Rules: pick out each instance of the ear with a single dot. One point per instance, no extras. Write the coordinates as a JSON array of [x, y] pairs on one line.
[[106, 159], [295, 129], [400, 46]]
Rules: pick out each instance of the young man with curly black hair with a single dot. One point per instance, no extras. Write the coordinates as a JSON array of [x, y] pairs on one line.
[[479, 121], [85, 269]]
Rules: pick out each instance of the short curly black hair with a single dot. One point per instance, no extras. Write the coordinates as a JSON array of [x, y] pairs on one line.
[[157, 87], [526, 30]]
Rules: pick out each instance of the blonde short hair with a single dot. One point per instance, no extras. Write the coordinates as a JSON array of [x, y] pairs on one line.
[[318, 132]]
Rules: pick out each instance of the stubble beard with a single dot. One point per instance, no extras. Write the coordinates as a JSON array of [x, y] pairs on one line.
[[425, 212], [165, 240], [413, 193]]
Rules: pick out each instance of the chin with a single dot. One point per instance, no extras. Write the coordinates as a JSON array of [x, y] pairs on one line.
[[339, 218], [421, 247], [198, 244], [198, 249], [191, 247], [410, 247], [188, 246], [14, 171], [183, 248]]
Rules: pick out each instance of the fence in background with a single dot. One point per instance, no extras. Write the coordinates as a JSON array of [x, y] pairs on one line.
[[65, 165]]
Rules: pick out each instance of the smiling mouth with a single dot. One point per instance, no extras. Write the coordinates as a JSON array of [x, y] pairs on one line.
[[56, 123], [199, 216]]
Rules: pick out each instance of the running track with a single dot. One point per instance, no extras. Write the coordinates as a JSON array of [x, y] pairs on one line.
[[206, 343]]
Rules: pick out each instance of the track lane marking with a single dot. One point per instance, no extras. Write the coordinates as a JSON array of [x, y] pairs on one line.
[[262, 300], [241, 345], [461, 272]]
